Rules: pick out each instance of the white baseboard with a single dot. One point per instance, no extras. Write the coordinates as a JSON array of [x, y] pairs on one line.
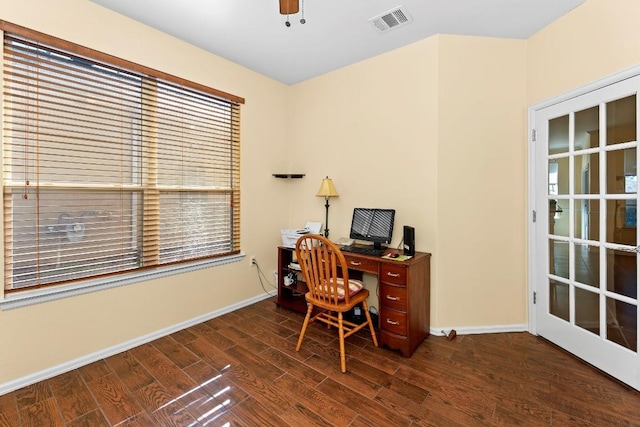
[[107, 352], [470, 330]]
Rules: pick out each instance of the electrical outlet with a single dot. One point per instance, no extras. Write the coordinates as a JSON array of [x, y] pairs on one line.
[[252, 260]]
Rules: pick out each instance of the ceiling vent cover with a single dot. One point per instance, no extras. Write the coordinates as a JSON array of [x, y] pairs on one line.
[[394, 18]]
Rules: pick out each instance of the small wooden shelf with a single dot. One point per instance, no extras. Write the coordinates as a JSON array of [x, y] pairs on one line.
[[289, 175], [299, 287]]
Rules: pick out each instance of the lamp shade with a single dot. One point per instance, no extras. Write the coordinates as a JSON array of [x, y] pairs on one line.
[[327, 189]]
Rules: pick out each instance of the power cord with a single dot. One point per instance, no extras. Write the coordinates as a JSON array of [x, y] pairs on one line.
[[261, 276]]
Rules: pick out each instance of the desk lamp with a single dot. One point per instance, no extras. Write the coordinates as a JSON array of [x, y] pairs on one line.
[[327, 190]]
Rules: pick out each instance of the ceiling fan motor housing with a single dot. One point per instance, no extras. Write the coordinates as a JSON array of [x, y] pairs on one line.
[[289, 7]]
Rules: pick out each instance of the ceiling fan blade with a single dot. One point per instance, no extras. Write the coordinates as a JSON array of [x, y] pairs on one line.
[[289, 7]]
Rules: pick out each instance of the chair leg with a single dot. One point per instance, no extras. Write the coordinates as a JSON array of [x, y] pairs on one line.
[[304, 326], [368, 316], [343, 359]]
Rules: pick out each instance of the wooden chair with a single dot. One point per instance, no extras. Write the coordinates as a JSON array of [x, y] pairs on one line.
[[325, 271]]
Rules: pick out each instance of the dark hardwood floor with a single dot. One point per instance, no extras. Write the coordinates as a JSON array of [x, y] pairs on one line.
[[241, 369]]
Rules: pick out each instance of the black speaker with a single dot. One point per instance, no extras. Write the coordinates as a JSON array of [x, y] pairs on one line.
[[409, 246]]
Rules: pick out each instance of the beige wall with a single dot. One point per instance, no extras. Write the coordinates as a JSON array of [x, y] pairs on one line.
[[593, 41], [436, 130], [482, 164], [433, 130], [46, 335]]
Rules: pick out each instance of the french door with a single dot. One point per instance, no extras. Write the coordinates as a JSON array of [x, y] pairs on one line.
[[585, 193]]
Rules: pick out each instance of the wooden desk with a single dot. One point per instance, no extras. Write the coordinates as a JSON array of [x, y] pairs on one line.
[[403, 295]]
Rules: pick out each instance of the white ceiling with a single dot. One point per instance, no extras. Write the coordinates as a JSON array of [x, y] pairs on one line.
[[336, 33]]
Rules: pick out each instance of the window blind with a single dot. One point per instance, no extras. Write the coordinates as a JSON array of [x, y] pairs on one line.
[[108, 169]]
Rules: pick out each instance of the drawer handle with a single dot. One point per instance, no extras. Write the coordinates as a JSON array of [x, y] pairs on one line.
[[355, 263], [392, 298], [392, 322], [392, 274]]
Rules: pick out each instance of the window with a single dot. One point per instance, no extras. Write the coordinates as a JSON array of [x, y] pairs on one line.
[[111, 167]]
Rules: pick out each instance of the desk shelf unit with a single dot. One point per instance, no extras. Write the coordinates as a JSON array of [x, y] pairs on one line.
[[291, 297], [404, 290]]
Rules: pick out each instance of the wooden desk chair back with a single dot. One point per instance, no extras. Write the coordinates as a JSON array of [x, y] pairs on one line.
[[325, 271]]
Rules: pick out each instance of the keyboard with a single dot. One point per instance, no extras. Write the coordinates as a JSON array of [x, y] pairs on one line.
[[363, 250]]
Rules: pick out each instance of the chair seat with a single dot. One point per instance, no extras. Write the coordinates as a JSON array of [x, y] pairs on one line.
[[341, 306], [355, 286]]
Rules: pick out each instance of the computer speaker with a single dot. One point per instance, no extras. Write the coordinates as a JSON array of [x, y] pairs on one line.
[[409, 246]]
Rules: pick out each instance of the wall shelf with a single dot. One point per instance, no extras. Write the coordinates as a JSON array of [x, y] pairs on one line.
[[288, 175]]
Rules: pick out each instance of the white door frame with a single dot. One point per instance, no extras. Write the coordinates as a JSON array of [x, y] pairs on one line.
[[532, 274]]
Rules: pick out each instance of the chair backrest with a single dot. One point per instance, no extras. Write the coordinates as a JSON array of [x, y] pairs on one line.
[[324, 269]]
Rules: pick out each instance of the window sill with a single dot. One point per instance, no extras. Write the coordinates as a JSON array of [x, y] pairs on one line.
[[37, 296]]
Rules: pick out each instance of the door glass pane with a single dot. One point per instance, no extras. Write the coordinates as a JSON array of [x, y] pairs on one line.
[[590, 222], [563, 176], [559, 299], [587, 174], [587, 310], [622, 323], [621, 222], [559, 258], [586, 128], [553, 178], [581, 219], [554, 213], [586, 219], [621, 171], [621, 273], [559, 135], [587, 264], [621, 120], [559, 217]]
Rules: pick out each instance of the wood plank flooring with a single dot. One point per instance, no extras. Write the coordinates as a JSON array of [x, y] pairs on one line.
[[241, 369]]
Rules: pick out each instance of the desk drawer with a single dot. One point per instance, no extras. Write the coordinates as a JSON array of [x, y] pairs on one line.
[[393, 321], [361, 264], [393, 274], [393, 297]]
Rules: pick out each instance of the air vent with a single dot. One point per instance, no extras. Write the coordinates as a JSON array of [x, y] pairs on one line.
[[394, 18]]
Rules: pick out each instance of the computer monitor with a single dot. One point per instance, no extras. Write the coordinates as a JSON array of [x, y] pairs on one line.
[[372, 225]]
